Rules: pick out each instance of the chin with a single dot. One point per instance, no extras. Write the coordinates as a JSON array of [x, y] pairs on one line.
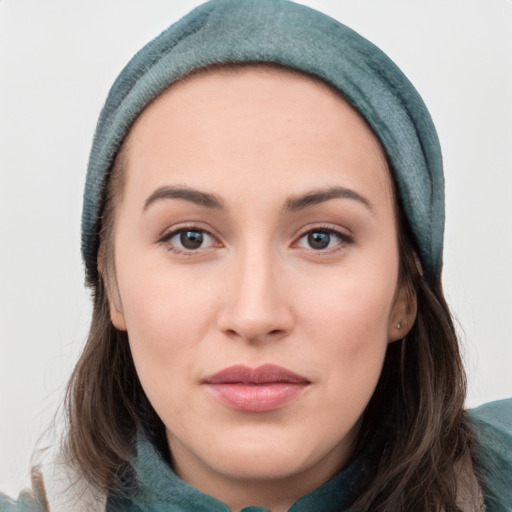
[[274, 453], [263, 464]]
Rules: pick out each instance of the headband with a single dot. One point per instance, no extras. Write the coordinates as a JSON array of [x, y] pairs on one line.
[[298, 37]]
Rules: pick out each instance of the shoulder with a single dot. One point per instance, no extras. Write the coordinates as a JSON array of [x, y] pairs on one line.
[[33, 500], [491, 425]]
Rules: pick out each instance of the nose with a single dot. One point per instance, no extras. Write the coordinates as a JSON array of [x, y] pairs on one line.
[[256, 307]]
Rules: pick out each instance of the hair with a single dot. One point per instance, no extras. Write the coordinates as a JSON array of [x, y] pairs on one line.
[[414, 432]]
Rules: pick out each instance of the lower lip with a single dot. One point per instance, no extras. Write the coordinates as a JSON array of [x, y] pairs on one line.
[[256, 397]]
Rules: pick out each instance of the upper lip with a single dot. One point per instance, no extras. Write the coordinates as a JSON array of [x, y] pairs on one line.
[[265, 374]]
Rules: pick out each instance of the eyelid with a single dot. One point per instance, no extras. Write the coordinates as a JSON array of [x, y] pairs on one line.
[[167, 235], [344, 237], [164, 238]]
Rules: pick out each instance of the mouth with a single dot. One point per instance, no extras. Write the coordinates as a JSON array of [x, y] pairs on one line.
[[261, 389]]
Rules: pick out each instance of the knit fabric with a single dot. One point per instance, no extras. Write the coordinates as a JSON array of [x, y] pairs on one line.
[[281, 32], [492, 426], [161, 490]]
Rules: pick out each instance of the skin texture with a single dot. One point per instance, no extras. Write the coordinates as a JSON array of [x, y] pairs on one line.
[[256, 292]]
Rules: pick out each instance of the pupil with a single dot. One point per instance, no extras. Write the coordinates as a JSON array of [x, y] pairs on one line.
[[191, 239], [319, 240]]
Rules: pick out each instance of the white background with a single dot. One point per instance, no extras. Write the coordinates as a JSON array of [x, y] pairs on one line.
[[57, 60]]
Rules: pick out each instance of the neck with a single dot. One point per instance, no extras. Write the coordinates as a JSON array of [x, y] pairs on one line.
[[275, 492]]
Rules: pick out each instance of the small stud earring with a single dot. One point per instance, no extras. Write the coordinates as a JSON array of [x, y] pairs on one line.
[[399, 325]]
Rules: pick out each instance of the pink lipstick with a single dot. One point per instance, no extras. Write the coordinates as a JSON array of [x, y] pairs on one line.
[[262, 389]]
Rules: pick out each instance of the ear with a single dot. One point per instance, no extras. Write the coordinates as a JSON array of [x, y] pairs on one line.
[[114, 300], [116, 315], [403, 313]]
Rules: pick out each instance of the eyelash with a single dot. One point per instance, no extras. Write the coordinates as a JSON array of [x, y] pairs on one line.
[[167, 237], [343, 239]]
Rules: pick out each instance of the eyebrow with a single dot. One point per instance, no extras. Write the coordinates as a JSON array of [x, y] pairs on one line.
[[188, 194], [321, 196], [212, 201]]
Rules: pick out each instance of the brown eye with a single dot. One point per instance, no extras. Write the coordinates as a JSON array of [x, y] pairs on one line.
[[191, 239], [322, 239], [186, 240], [319, 239]]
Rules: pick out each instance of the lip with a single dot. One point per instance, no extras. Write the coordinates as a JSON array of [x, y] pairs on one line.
[[261, 389]]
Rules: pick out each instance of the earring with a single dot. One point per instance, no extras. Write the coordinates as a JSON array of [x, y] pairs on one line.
[[399, 325]]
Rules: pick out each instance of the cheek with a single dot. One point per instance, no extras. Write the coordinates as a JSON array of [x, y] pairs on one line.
[[166, 317], [349, 319], [351, 307]]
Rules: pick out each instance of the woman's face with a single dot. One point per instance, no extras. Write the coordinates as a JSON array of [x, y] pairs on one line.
[[257, 266]]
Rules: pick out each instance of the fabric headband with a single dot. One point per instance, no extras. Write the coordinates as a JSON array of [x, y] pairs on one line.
[[295, 36]]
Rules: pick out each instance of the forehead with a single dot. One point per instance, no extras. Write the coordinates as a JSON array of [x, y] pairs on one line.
[[251, 82], [252, 113]]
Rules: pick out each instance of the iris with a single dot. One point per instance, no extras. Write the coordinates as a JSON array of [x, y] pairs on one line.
[[319, 239]]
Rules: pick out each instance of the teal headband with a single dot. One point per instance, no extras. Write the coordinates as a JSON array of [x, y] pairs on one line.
[[295, 36]]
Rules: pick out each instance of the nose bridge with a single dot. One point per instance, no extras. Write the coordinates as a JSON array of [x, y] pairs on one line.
[[256, 307]]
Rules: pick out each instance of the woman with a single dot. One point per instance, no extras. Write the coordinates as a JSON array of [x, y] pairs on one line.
[[262, 231]]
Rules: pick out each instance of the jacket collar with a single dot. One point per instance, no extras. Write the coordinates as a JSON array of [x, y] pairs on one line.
[[160, 489]]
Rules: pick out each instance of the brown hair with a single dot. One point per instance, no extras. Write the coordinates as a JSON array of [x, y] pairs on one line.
[[414, 433], [414, 425]]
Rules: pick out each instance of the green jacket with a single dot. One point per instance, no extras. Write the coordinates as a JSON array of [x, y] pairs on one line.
[[163, 491]]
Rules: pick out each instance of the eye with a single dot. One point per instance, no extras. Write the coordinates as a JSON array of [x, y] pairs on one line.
[[188, 240], [322, 239]]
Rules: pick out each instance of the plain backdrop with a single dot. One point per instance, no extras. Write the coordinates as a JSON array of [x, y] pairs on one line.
[[57, 60]]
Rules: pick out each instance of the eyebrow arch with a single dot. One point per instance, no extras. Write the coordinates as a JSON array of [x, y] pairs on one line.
[[320, 196], [188, 194]]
